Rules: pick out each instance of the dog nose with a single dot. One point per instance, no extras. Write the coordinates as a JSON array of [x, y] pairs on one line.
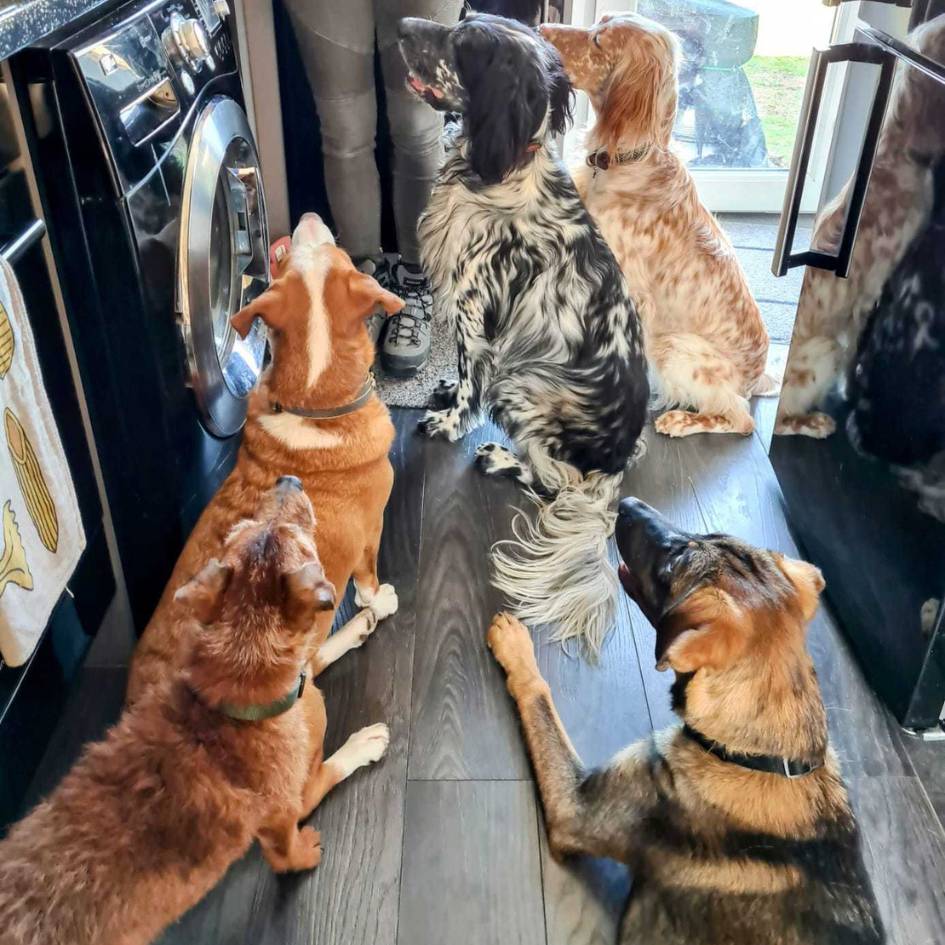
[[287, 483], [632, 509]]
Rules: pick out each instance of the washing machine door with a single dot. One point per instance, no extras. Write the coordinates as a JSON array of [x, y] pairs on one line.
[[223, 263]]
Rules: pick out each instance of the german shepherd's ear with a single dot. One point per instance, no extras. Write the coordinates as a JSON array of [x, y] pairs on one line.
[[306, 594], [807, 581], [203, 594], [705, 631]]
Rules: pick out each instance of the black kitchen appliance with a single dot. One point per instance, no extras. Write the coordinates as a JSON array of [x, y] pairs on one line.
[[867, 503], [151, 175], [32, 696]]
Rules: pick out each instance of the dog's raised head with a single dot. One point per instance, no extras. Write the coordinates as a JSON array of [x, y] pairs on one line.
[[714, 601], [253, 608], [504, 79], [627, 64], [316, 309]]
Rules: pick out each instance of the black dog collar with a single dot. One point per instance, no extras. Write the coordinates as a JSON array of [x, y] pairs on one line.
[[771, 764], [329, 413], [601, 159], [258, 713]]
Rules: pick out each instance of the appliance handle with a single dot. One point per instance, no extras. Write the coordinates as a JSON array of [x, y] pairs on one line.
[[821, 59], [14, 251]]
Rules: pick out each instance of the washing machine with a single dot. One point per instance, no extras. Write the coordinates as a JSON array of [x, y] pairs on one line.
[[156, 212]]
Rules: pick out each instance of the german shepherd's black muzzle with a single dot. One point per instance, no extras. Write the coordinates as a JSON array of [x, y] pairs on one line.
[[649, 545]]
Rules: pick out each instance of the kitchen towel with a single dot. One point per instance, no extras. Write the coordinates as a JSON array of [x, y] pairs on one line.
[[41, 535]]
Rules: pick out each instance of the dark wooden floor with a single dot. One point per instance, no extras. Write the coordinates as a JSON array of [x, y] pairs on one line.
[[441, 843]]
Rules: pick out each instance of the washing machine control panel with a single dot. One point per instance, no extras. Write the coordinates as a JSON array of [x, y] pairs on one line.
[[145, 73]]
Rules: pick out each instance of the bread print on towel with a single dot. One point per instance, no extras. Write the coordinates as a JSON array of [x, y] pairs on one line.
[[7, 342], [14, 568], [39, 502]]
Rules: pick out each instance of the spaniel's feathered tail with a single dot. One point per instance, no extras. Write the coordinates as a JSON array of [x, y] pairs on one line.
[[556, 571]]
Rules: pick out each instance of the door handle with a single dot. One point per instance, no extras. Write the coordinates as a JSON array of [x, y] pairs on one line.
[[29, 237], [821, 59]]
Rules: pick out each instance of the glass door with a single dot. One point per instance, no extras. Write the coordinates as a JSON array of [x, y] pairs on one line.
[[741, 86]]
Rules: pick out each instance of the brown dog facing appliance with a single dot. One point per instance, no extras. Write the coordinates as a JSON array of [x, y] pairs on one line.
[[736, 825], [315, 415], [227, 750]]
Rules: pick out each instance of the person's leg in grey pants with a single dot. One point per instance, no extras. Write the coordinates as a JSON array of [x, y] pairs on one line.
[[337, 45]]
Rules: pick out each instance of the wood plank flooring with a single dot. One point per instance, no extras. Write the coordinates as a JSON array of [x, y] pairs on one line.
[[442, 842]]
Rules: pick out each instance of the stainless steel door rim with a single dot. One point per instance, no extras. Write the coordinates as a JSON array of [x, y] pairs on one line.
[[223, 263]]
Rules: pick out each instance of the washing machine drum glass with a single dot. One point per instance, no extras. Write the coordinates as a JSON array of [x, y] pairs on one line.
[[223, 265]]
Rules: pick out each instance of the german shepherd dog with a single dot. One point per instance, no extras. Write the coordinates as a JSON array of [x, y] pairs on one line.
[[735, 825]]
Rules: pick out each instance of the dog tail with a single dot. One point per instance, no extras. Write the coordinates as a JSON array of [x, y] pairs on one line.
[[556, 570], [765, 386]]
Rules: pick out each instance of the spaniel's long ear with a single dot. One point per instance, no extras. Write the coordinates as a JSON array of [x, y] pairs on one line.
[[640, 101], [561, 93], [507, 94], [707, 630], [807, 581]]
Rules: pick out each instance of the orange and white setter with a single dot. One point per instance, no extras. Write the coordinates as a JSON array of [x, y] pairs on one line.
[[705, 341]]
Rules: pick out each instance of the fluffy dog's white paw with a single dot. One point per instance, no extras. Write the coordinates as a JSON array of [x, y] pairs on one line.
[[362, 748], [444, 424], [382, 603]]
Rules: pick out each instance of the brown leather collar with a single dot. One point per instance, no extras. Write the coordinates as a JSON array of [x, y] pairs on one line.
[[601, 159]]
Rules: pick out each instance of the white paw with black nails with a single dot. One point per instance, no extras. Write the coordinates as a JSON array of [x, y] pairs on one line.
[[382, 602], [441, 423], [362, 748]]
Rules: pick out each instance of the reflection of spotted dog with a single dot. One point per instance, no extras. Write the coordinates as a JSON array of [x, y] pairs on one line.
[[832, 311], [897, 385]]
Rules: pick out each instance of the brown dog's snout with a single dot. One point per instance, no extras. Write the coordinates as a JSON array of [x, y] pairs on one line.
[[288, 484]]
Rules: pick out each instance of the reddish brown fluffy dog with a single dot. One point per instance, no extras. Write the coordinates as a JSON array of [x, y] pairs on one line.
[[705, 341], [316, 311], [150, 818]]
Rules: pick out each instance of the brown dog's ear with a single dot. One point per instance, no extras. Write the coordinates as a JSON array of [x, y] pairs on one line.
[[203, 594], [306, 593], [285, 298], [807, 580], [365, 296], [354, 295], [264, 306], [706, 630]]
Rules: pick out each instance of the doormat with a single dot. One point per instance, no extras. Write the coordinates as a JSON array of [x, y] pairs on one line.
[[415, 391]]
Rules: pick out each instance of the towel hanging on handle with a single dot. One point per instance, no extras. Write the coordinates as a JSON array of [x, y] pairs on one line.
[[41, 534]]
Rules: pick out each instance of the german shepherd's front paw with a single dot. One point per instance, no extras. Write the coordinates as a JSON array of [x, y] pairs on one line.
[[443, 395], [441, 424], [511, 645]]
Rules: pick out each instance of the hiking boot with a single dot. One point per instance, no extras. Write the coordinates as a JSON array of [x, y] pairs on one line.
[[406, 345], [380, 268]]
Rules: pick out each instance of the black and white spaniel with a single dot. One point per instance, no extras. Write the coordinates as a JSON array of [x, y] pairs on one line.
[[548, 339]]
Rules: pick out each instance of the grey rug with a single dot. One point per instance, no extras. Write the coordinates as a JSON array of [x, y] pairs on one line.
[[415, 391]]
